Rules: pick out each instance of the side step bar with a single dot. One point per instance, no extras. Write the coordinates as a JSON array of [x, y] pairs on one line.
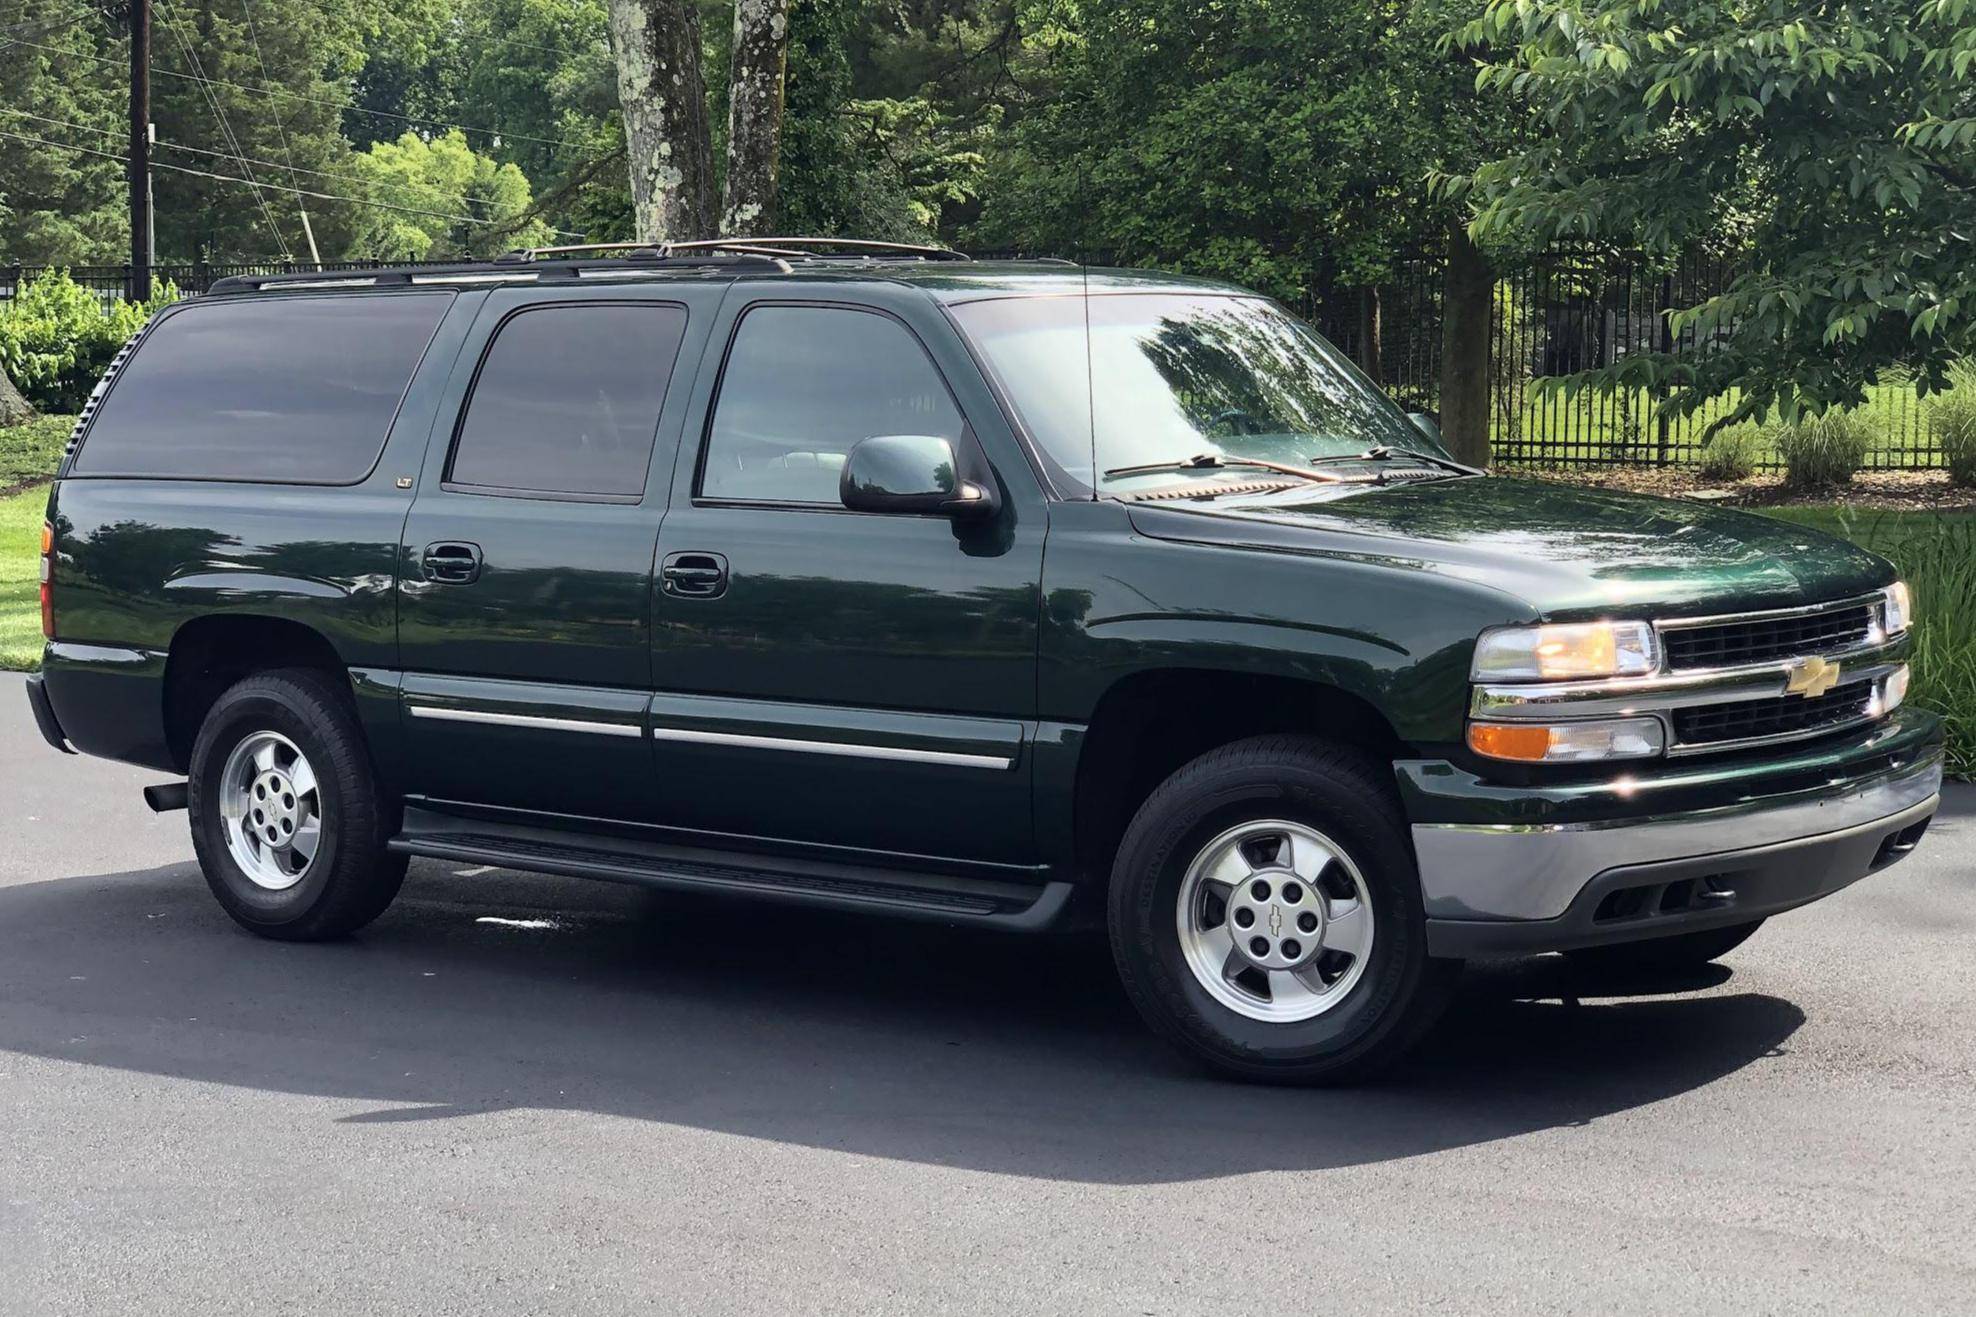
[[1008, 906]]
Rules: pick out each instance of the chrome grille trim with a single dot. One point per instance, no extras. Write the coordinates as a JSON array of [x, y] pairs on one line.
[[1875, 634]]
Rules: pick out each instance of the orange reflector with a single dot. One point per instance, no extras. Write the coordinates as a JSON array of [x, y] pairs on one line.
[[1529, 744], [47, 539]]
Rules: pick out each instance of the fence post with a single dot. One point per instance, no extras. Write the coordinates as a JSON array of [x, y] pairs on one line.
[[1666, 341], [1466, 304]]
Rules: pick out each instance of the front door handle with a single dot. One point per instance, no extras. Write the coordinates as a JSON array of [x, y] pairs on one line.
[[451, 562], [693, 575]]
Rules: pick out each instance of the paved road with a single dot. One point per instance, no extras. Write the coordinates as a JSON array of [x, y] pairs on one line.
[[518, 1094]]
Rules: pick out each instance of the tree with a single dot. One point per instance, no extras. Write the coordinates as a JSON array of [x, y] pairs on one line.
[[754, 115], [663, 92], [14, 409], [452, 201], [61, 206], [251, 90], [1837, 142], [1278, 145]]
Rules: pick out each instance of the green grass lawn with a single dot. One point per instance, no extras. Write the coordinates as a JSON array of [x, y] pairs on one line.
[[31, 451], [20, 578]]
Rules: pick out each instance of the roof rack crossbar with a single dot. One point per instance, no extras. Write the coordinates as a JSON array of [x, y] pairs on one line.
[[803, 244]]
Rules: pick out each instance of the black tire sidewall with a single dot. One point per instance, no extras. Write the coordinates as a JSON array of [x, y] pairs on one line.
[[253, 707], [1172, 828]]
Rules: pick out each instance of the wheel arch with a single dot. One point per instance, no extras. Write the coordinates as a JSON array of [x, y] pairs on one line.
[[1150, 723], [212, 652]]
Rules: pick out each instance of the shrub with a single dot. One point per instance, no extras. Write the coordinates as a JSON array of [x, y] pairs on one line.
[[1823, 450], [1731, 453], [1953, 419], [56, 339]]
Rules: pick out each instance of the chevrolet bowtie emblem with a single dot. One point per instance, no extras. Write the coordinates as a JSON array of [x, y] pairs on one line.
[[1812, 677]]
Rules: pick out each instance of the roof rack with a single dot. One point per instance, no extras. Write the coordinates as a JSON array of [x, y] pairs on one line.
[[603, 260], [780, 248]]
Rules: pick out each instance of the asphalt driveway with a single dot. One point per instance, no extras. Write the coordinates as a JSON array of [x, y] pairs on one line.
[[521, 1094]]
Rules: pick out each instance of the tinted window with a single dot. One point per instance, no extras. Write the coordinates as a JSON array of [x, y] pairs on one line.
[[567, 401], [280, 389], [803, 384]]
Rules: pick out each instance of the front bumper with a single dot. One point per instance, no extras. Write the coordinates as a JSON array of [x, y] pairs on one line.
[[1580, 878]]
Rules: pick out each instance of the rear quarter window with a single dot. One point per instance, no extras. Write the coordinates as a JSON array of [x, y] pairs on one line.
[[295, 390]]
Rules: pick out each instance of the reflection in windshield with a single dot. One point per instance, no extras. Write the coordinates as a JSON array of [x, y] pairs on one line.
[[1174, 376]]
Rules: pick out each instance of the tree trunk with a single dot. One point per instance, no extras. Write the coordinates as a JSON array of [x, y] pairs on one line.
[[1467, 299], [1369, 331], [754, 116], [13, 408], [663, 93]]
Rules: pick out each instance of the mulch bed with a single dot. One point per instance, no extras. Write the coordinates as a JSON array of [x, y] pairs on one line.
[[1896, 490]]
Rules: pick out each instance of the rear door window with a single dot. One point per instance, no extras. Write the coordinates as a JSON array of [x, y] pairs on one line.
[[567, 400], [280, 389]]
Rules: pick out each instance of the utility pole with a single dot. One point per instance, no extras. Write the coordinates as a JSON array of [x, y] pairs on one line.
[[140, 150]]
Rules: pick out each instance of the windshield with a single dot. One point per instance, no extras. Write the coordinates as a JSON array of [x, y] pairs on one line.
[[1172, 377]]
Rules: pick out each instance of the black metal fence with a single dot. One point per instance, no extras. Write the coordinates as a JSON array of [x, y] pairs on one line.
[[1566, 311]]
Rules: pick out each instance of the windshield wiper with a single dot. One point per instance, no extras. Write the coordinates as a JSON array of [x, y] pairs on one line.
[[1216, 461], [1383, 453]]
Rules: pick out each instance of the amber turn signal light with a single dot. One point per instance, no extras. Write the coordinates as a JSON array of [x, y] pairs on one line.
[[47, 581]]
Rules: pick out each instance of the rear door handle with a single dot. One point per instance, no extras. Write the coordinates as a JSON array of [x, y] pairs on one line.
[[451, 562], [693, 575]]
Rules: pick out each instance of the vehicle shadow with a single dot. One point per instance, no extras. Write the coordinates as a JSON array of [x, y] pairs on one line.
[[483, 993]]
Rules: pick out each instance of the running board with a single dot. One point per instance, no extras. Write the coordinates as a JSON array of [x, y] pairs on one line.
[[1010, 906]]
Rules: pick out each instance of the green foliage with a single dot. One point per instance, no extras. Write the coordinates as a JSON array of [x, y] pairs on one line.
[[1267, 143], [60, 206], [56, 338], [1952, 417], [444, 186], [1935, 553], [1833, 141], [536, 74], [1821, 451], [1731, 453], [31, 451]]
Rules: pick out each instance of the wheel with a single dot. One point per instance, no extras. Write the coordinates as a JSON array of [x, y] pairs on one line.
[[286, 817], [1666, 954], [1265, 914]]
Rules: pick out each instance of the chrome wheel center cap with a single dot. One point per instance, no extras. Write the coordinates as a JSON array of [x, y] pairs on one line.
[[1276, 920]]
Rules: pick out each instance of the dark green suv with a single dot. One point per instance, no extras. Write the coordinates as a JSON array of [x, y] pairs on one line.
[[1008, 594]]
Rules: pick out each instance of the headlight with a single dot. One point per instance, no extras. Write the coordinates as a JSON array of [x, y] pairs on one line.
[[1897, 608], [1569, 743], [1566, 650]]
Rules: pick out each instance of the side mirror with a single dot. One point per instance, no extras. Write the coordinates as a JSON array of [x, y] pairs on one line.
[[1430, 425], [911, 473]]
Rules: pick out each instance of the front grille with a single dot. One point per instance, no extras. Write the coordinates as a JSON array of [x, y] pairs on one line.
[[1783, 715], [1760, 639]]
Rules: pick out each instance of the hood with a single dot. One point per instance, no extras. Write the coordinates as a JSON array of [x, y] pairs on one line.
[[1563, 549]]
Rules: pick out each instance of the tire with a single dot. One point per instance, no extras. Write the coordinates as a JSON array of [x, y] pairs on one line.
[[1229, 803], [1662, 955], [289, 743]]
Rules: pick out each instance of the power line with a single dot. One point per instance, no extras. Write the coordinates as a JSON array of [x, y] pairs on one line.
[[226, 125], [288, 153], [271, 187], [318, 100], [358, 179]]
